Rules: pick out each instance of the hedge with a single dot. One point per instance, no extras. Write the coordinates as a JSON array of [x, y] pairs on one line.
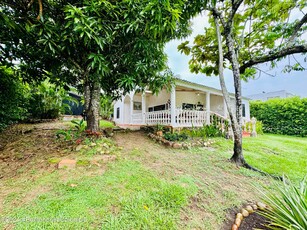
[[282, 116]]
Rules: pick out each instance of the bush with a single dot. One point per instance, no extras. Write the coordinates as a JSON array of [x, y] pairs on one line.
[[175, 136], [13, 98], [204, 132], [259, 126], [47, 101], [282, 116], [288, 207]]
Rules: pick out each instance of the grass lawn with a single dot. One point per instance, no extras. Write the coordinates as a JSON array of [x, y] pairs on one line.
[[148, 186], [277, 154]]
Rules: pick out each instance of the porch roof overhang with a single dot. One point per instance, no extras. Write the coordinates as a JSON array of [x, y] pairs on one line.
[[200, 87]]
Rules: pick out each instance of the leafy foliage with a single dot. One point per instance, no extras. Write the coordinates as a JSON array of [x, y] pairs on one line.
[[256, 30], [288, 207], [47, 100], [248, 126], [204, 132], [13, 97], [106, 106], [282, 116], [175, 136]]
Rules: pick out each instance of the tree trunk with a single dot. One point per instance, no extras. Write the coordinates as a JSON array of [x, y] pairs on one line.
[[92, 104], [235, 118], [237, 156]]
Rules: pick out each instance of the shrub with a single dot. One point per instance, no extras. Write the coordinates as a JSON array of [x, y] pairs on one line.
[[204, 132], [47, 100], [175, 136], [13, 98], [288, 207], [282, 116], [259, 126]]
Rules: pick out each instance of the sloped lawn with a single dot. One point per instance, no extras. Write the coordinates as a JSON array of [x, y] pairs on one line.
[[148, 186], [277, 154]]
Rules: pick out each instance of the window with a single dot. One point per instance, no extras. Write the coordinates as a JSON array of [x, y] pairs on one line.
[[117, 113]]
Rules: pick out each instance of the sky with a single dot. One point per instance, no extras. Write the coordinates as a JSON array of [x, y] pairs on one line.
[[294, 82]]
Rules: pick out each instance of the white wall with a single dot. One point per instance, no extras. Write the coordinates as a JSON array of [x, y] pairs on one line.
[[217, 104], [118, 104]]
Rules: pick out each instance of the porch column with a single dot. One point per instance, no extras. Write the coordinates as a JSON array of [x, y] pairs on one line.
[[208, 109], [173, 106], [131, 108], [143, 108]]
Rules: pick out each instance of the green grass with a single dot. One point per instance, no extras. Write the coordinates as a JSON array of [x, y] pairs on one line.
[[277, 154], [127, 196], [149, 186], [106, 124], [274, 154]]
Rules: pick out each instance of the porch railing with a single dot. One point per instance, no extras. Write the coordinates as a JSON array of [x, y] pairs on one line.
[[183, 118], [162, 117], [189, 118]]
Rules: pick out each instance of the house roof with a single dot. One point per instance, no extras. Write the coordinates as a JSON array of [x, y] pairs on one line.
[[201, 87]]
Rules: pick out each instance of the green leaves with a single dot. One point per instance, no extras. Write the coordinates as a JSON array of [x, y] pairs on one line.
[[288, 206], [282, 116]]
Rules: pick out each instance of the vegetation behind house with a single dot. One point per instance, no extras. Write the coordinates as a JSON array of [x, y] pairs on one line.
[[282, 116]]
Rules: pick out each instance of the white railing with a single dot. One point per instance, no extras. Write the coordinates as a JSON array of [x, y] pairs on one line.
[[137, 118], [162, 117], [220, 121], [189, 118]]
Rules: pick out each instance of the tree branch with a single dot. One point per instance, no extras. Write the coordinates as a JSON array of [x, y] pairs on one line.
[[297, 28], [219, 15], [235, 7], [274, 55]]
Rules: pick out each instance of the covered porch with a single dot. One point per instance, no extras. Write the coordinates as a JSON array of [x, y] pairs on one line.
[[192, 107]]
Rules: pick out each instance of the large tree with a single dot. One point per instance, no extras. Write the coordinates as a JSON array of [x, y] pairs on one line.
[[109, 45], [241, 35]]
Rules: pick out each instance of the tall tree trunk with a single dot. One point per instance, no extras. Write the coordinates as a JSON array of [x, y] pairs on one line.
[[235, 118], [237, 156], [92, 104]]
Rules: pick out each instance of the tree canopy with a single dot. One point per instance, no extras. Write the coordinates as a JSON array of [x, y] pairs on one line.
[[263, 31], [108, 45]]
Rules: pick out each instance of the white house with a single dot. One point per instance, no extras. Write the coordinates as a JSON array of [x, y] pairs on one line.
[[264, 96], [195, 105]]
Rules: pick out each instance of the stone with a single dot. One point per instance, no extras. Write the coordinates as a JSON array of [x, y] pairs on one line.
[[108, 132], [261, 206], [249, 209], [67, 163], [234, 227], [244, 212], [238, 222], [239, 215], [177, 145], [79, 147], [255, 207]]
